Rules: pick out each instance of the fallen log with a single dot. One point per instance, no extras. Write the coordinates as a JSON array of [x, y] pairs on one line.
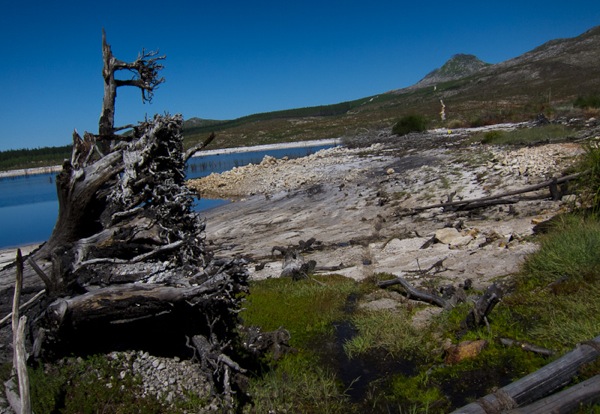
[[538, 384], [566, 401], [498, 198]]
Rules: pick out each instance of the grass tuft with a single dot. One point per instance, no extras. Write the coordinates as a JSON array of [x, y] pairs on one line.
[[391, 330]]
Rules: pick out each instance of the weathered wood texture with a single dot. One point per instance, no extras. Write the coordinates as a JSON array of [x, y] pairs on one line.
[[538, 384], [567, 401], [20, 401], [417, 294], [126, 266]]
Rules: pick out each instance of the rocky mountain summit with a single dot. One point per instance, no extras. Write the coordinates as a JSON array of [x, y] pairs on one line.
[[547, 71], [457, 67]]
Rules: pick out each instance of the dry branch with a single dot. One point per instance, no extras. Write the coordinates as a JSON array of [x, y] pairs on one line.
[[527, 347], [23, 307]]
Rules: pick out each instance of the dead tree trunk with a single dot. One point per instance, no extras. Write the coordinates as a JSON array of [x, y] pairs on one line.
[[126, 266], [145, 69]]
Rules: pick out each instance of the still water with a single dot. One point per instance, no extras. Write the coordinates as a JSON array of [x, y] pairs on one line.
[[28, 204]]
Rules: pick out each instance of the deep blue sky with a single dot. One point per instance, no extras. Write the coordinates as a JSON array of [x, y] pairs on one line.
[[227, 59]]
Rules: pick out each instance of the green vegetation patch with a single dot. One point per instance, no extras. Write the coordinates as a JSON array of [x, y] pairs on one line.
[[302, 381], [555, 303], [589, 182], [306, 308], [298, 384], [525, 136], [589, 101], [31, 158]]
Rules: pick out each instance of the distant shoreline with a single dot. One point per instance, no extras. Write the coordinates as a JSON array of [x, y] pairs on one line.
[[266, 147], [30, 171]]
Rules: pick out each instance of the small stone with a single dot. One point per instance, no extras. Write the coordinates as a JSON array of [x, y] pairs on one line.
[[464, 350]]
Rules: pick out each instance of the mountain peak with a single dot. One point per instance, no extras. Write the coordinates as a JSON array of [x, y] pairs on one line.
[[458, 66]]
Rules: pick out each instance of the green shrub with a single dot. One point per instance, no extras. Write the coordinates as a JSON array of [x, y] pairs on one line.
[[590, 101], [492, 136], [410, 123]]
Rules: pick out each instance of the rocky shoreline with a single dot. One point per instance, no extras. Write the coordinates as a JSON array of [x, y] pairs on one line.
[[359, 205]]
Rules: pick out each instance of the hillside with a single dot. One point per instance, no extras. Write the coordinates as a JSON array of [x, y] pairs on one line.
[[547, 79]]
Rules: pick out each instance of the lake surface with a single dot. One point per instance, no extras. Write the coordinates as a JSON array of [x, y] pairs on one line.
[[29, 207]]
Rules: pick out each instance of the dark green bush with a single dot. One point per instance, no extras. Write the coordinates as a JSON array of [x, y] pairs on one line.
[[410, 123], [590, 101]]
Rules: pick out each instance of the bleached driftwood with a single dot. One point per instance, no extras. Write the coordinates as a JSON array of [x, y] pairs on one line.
[[540, 384]]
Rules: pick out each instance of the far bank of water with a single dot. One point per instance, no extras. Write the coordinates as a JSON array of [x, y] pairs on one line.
[[29, 207]]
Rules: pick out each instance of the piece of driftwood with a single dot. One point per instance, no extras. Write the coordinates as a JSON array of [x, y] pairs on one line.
[[502, 197], [538, 384], [477, 316], [20, 402], [451, 296], [417, 294], [294, 265], [567, 401], [275, 343]]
